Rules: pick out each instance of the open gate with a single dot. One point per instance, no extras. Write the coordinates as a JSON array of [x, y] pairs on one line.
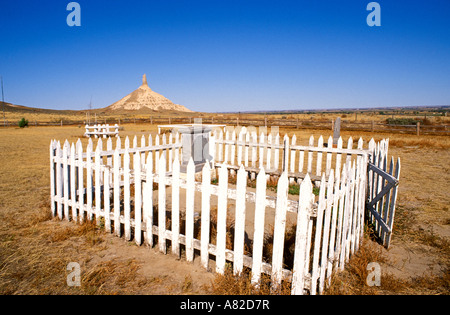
[[382, 192]]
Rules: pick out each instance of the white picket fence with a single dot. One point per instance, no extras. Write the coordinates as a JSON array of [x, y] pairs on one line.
[[266, 151], [98, 130], [328, 228], [382, 191]]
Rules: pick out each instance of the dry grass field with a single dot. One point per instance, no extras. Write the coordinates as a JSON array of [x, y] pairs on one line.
[[35, 249]]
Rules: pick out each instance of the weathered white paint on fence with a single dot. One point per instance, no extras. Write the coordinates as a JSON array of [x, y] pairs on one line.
[[239, 228], [280, 227], [221, 220], [175, 207], [206, 214], [306, 198], [383, 183], [161, 203], [258, 238], [329, 229], [190, 191]]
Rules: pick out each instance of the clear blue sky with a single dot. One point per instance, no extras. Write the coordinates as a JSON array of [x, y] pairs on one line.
[[227, 55]]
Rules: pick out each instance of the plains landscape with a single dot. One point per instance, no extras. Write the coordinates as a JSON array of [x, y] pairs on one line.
[[337, 88], [35, 248]]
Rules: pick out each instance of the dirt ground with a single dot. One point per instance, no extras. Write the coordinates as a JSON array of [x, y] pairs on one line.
[[36, 249]]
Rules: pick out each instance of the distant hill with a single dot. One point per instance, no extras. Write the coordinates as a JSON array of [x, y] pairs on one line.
[[12, 108], [144, 99]]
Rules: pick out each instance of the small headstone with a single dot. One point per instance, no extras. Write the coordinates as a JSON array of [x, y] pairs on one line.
[[195, 145], [337, 130]]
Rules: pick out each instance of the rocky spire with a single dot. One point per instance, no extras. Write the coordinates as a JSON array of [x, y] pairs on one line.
[[144, 80]]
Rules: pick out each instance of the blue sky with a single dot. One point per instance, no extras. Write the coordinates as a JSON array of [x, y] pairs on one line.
[[227, 55]]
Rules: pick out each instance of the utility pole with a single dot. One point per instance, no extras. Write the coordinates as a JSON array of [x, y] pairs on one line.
[[3, 102]]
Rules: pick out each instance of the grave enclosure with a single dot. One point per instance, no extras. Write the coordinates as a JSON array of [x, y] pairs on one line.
[[293, 212]]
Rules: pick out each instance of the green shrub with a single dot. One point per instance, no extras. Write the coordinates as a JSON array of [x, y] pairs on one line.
[[23, 123]]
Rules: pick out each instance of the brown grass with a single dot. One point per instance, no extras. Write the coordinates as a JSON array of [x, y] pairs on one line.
[[35, 250]]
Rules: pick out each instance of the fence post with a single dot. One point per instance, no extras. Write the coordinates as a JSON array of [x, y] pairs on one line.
[[418, 128]]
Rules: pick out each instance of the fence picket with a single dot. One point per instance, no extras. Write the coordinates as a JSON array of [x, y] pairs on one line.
[[66, 180], [148, 200], [227, 147], [335, 210], [97, 183], [137, 198], [205, 216], [306, 198], [293, 152], [341, 210], [279, 229], [310, 155], [106, 201], [239, 228], [190, 195], [116, 180], [329, 156], [89, 213], [156, 154], [126, 194], [258, 237], [221, 220], [339, 157], [52, 178], [349, 146], [276, 160], [73, 178], [233, 148], [80, 182], [319, 157], [317, 239], [269, 151], [254, 148], [59, 179], [240, 147], [326, 231], [261, 151], [161, 202]]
